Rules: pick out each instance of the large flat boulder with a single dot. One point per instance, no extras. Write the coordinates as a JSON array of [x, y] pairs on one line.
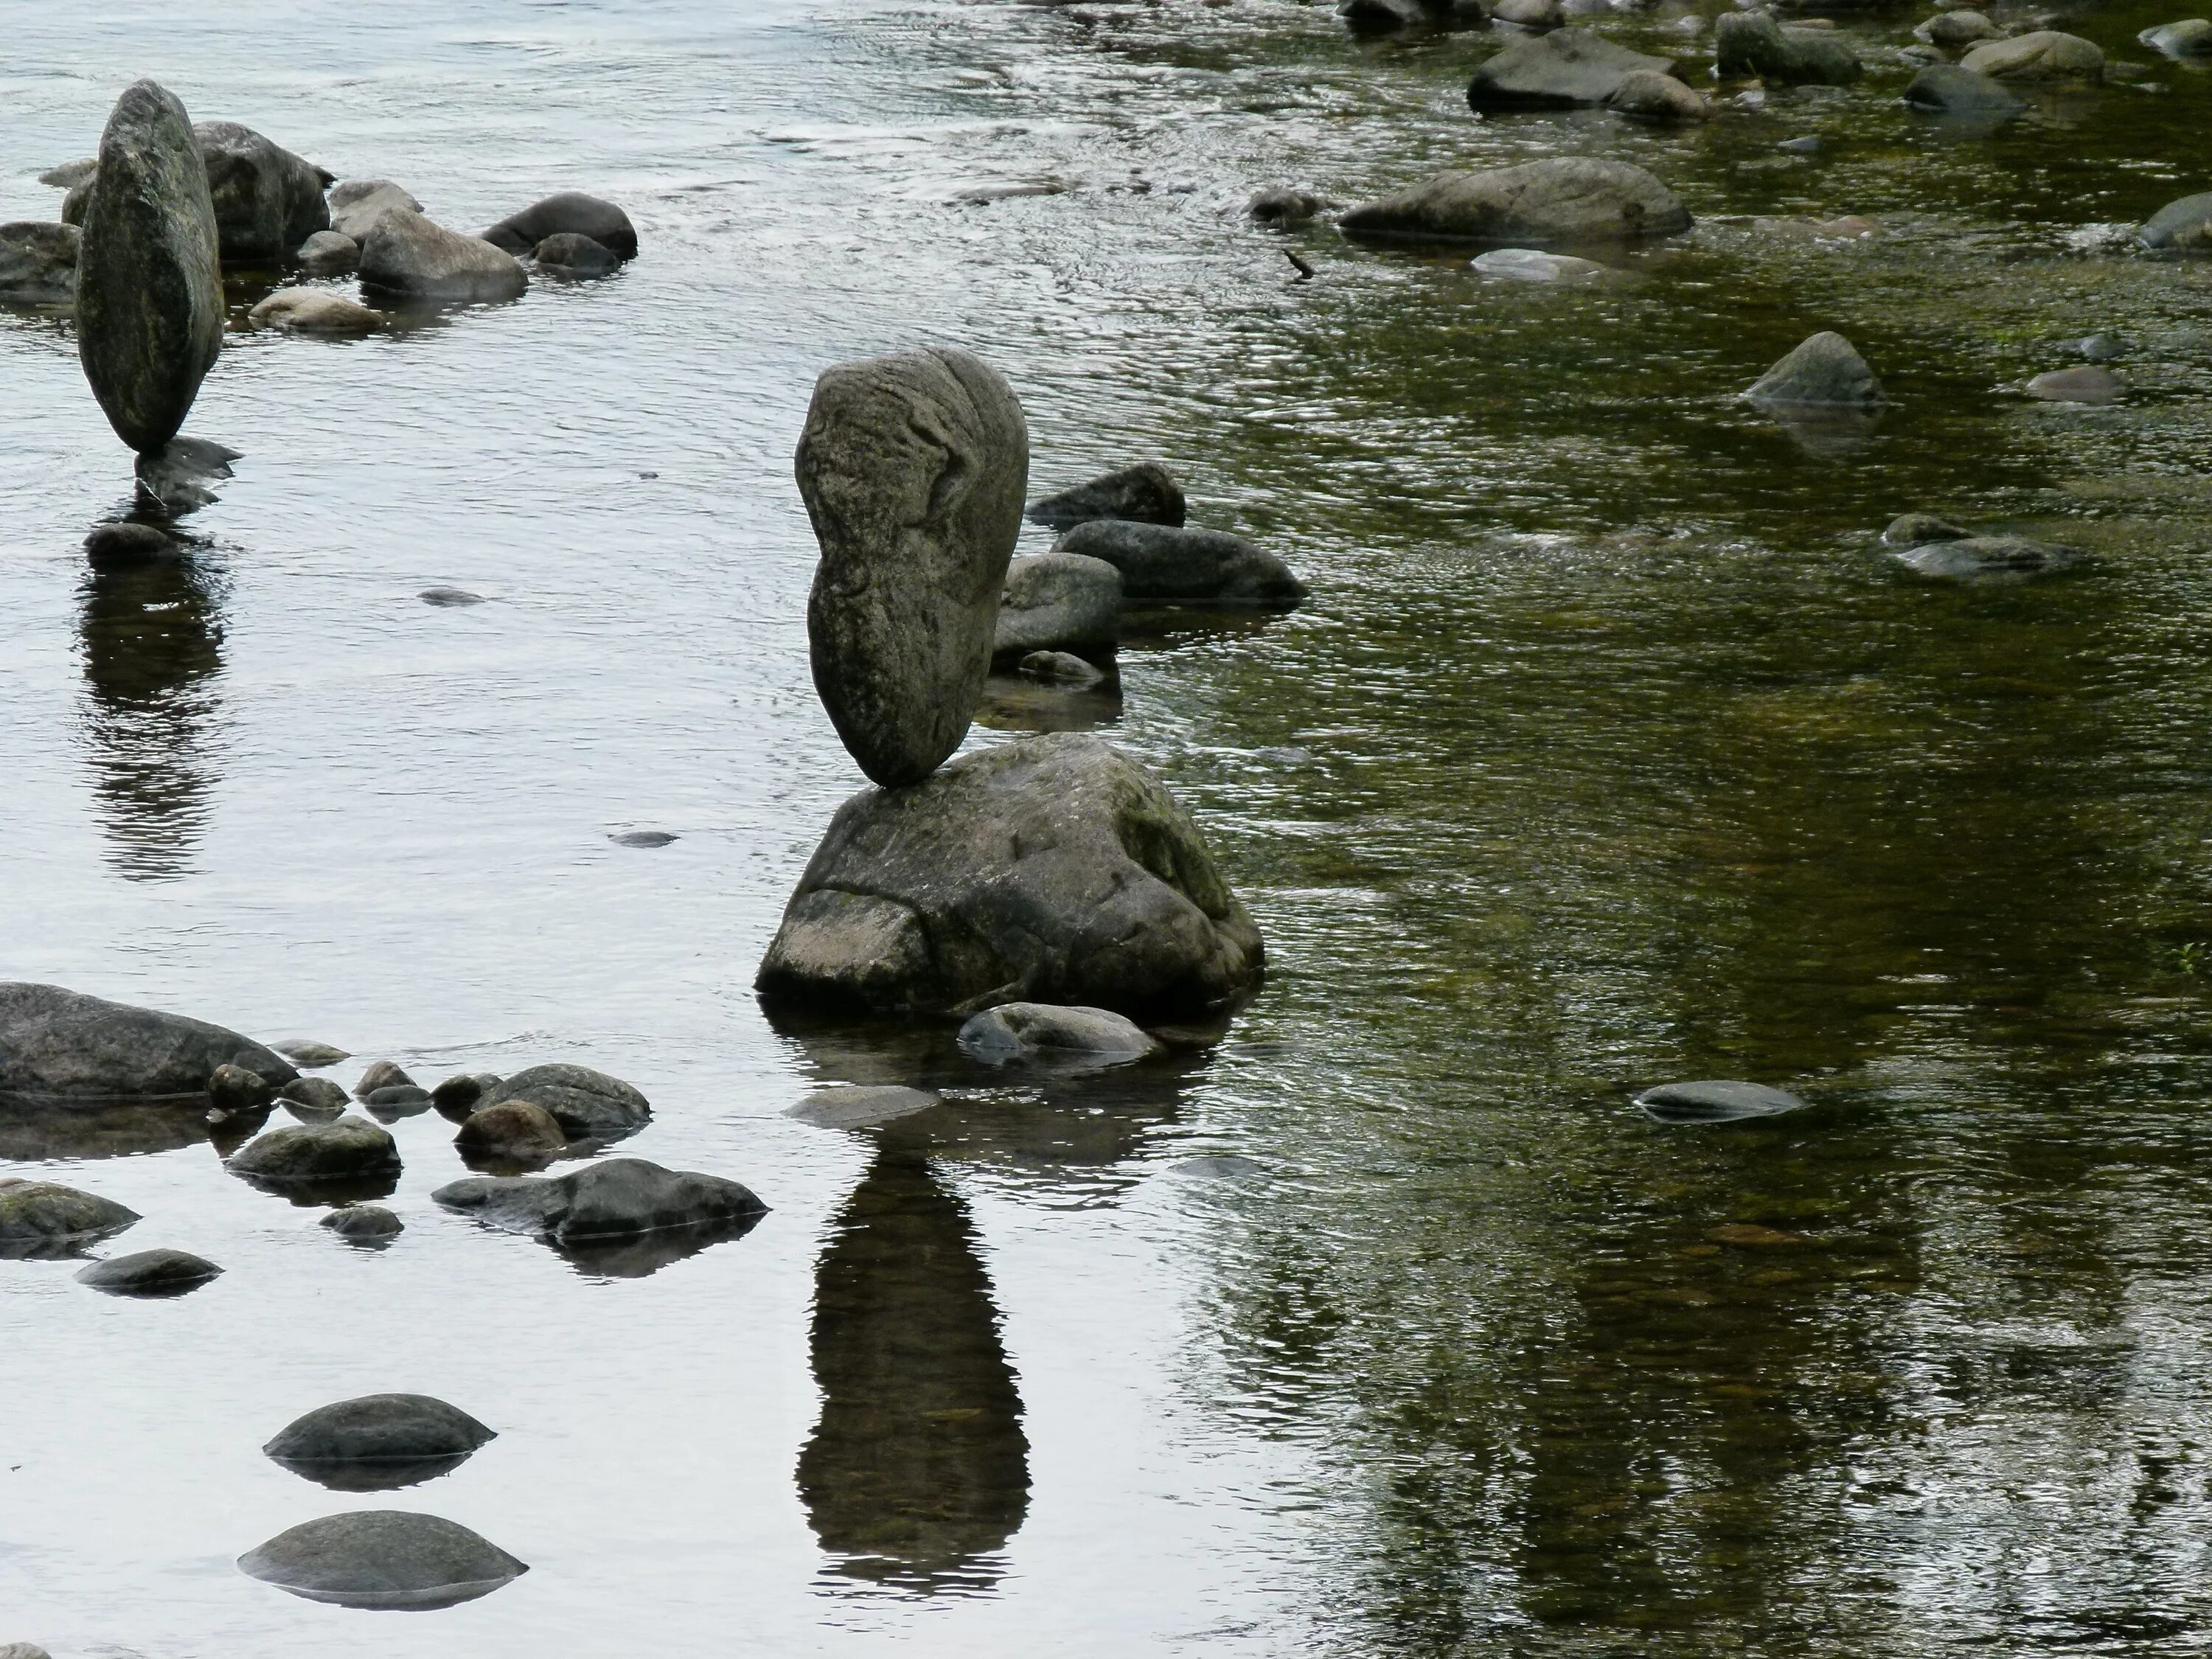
[[1557, 71], [63, 1044], [913, 468], [405, 253], [148, 283], [1051, 869], [1568, 199], [2044, 55]]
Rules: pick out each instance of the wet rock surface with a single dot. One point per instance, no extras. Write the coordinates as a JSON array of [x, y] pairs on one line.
[[2183, 224], [405, 253], [1031, 1031], [63, 1044], [37, 262], [307, 1052], [315, 1097], [1825, 371], [2087, 384], [382, 1558], [1715, 1101], [862, 1106], [1050, 869], [1559, 70], [583, 1102], [357, 204], [377, 1429], [234, 1088], [314, 311], [569, 213], [1165, 565], [306, 1155], [1951, 90], [364, 1223], [1660, 100], [267, 200], [1146, 492], [513, 1132], [43, 1218], [1560, 200], [1752, 43], [913, 468], [622, 1216], [149, 291], [329, 253], [1058, 601], [1993, 559], [570, 255], [150, 1274], [380, 1074]]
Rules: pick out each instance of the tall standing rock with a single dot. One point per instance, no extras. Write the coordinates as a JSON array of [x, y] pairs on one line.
[[913, 468], [148, 290]]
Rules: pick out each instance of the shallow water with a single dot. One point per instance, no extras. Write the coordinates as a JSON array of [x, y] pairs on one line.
[[1611, 749]]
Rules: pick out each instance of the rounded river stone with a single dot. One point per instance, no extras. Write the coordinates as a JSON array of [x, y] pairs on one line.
[[1715, 1101], [150, 1273], [303, 1153], [379, 1428], [382, 1558]]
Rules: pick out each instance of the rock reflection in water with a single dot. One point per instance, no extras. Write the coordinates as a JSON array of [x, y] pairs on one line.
[[918, 1472], [33, 1131], [152, 636]]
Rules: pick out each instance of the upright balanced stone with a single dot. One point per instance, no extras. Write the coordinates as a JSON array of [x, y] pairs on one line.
[[913, 468], [148, 290]]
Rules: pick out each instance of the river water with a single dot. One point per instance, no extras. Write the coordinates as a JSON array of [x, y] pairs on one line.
[[1610, 749]]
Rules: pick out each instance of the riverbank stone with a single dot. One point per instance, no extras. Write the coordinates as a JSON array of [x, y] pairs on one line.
[[1058, 601], [37, 262], [308, 1154], [1566, 199], [382, 1558], [150, 1274], [63, 1044], [1018, 1031], [572, 213], [42, 1218], [1966, 94], [1715, 1101], [314, 311], [1052, 869], [1162, 564], [2183, 225], [1146, 492], [1752, 43], [586, 1104], [377, 1428], [267, 200], [1826, 371], [357, 204], [612, 1199], [1557, 71], [2044, 55], [1658, 100], [406, 253], [148, 288], [913, 468]]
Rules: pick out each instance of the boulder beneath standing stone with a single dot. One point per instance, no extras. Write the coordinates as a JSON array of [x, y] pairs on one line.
[[913, 468], [37, 262], [267, 201], [516, 1132], [64, 1043], [357, 204], [570, 255], [2192, 38], [616, 1198], [1162, 564], [1964, 94], [2183, 225], [311, 1154], [1557, 71], [1040, 1031], [1826, 371], [1715, 1101], [586, 1104], [314, 311], [1569, 198], [122, 542], [148, 287], [1058, 601], [1658, 99], [572, 213], [42, 1218], [364, 1223], [327, 254], [406, 253], [2044, 55], [376, 1428], [1987, 559], [150, 1273], [1750, 43], [1052, 869], [1146, 492], [382, 1558]]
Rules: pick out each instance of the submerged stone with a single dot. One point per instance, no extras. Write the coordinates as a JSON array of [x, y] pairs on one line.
[[43, 1218], [1060, 668], [1281, 207], [1557, 71], [1146, 492], [305, 1051], [382, 1558], [1561, 199], [571, 255], [569, 213], [1058, 601], [1916, 529], [862, 1106], [2087, 384], [63, 1044], [377, 1428], [1714, 1101], [1994, 559], [328, 254], [380, 1074], [1162, 564], [1529, 265], [126, 541], [314, 311], [1037, 1031], [360, 1223], [1660, 100], [2184, 224], [1948, 89], [314, 1098], [619, 1215], [150, 1274]]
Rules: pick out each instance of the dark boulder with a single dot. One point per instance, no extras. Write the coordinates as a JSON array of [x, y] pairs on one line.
[[1038, 1031], [40, 1218], [37, 262], [377, 1428], [1993, 560], [514, 1132], [569, 213], [570, 255], [381, 1074], [1948, 90], [63, 1044], [913, 469], [1162, 564], [460, 1094], [148, 288], [382, 1558], [407, 254], [150, 1273], [234, 1088], [1914, 529], [1052, 868], [1825, 371], [267, 201], [309, 1154], [1277, 206], [364, 1223], [1557, 71], [314, 1098], [2183, 224], [586, 1104], [126, 541], [1058, 601], [1750, 43], [1146, 492], [614, 1199], [1561, 199], [1060, 668], [1715, 1101]]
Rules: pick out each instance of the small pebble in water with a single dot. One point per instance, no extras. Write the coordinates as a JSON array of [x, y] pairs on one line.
[[643, 838], [648, 475], [443, 596]]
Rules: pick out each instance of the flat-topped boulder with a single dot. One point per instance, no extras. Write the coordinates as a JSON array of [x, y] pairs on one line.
[[1147, 492], [1557, 71], [1162, 564], [1567, 199], [405, 253], [65, 1045], [2044, 55], [613, 1199], [1049, 869]]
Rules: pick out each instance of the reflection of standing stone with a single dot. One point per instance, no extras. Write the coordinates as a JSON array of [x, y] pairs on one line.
[[913, 468], [919, 1464], [148, 294]]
